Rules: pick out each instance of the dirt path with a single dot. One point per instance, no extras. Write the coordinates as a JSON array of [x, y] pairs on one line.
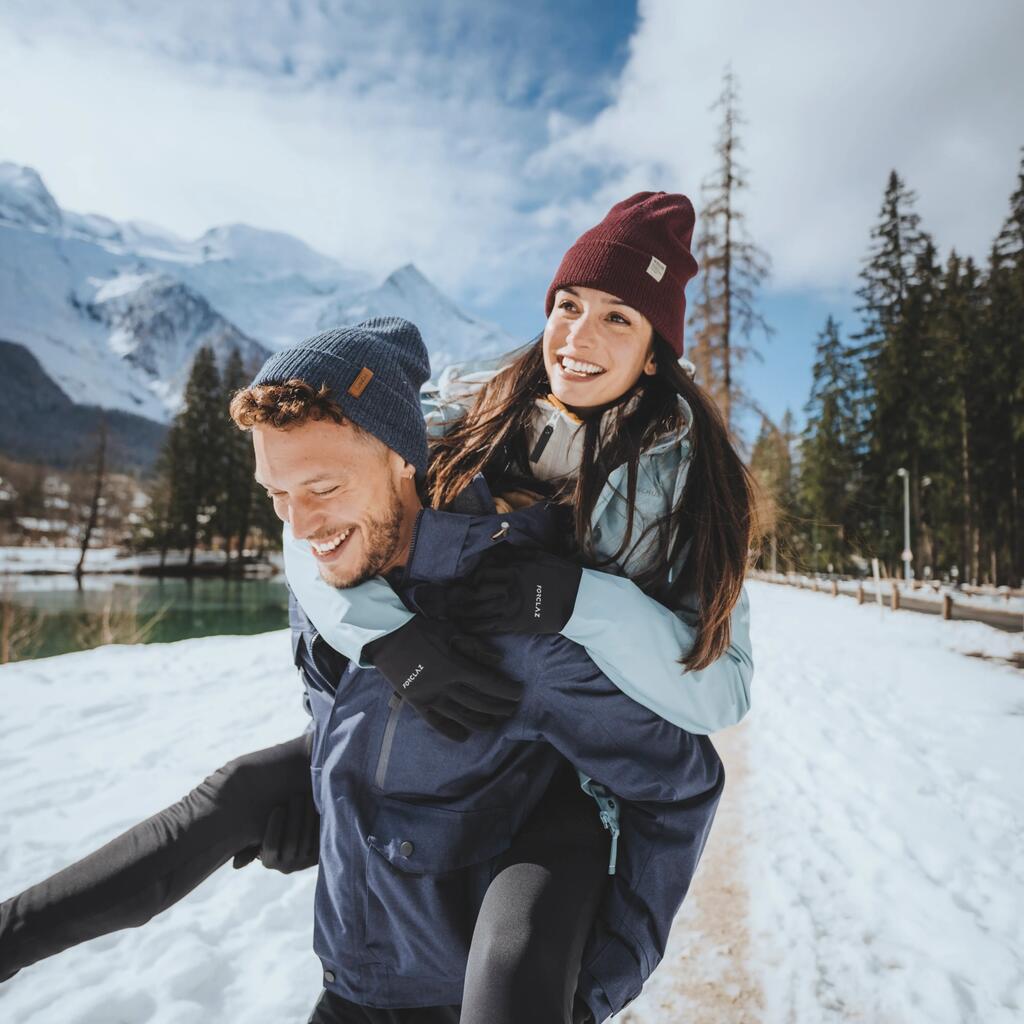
[[702, 979]]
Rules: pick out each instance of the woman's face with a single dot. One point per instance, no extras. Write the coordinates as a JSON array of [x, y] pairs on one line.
[[595, 347]]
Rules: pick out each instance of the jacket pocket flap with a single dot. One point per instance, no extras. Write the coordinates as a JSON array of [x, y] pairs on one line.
[[422, 839]]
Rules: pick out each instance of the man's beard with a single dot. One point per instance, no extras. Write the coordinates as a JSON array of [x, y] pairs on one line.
[[382, 538]]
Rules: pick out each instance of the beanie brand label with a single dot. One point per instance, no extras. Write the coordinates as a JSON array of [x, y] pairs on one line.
[[358, 386], [656, 268]]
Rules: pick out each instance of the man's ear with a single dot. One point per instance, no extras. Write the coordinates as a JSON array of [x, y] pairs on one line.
[[406, 470]]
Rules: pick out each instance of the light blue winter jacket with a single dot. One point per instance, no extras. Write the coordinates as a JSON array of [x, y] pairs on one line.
[[632, 638]]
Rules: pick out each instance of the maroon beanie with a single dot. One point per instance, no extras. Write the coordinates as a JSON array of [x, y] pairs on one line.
[[639, 253]]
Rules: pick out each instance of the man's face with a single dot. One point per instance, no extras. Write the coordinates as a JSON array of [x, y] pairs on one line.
[[352, 498]]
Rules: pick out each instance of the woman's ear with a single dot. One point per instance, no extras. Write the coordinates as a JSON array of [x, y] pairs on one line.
[[651, 366]]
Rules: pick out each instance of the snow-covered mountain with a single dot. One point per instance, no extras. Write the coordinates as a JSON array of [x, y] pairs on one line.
[[450, 334], [115, 311]]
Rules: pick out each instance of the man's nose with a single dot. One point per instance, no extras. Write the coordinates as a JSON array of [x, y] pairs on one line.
[[303, 520]]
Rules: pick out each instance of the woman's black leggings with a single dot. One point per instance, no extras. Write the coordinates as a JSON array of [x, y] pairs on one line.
[[527, 945]]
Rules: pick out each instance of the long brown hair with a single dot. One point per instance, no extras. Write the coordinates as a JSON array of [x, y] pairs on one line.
[[715, 513]]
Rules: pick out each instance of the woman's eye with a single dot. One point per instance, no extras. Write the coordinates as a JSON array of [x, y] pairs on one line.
[[567, 304], [618, 318]]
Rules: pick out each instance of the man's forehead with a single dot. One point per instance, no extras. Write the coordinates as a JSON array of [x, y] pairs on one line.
[[301, 457]]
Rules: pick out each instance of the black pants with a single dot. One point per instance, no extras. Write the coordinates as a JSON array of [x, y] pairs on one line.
[[529, 936]]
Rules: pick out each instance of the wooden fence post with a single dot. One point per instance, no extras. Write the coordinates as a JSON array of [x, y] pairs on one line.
[[895, 603], [835, 588], [860, 592], [947, 606]]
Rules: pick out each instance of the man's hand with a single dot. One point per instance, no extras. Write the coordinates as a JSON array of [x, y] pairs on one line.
[[451, 681], [515, 590], [291, 841]]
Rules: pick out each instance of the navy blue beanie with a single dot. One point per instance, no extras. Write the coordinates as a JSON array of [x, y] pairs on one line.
[[374, 371]]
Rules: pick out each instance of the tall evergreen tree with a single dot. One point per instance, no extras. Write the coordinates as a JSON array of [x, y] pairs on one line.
[[724, 314], [1002, 467], [235, 504], [887, 355], [828, 448], [196, 482]]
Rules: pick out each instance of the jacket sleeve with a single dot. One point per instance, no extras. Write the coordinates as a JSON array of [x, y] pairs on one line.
[[348, 619], [637, 643], [667, 783]]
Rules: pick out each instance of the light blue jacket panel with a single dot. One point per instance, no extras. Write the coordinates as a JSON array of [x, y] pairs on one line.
[[613, 614], [633, 639]]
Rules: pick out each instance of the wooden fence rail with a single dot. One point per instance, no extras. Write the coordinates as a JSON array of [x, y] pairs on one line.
[[896, 597]]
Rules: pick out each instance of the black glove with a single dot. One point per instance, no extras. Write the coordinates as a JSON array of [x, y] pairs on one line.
[[515, 590], [451, 681], [291, 841]]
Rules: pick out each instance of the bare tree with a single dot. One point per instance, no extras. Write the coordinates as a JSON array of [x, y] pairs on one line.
[[732, 267], [99, 477]]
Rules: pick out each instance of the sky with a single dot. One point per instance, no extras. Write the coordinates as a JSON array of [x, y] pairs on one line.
[[478, 140]]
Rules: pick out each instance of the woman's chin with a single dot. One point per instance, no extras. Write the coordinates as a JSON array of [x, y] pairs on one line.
[[584, 394]]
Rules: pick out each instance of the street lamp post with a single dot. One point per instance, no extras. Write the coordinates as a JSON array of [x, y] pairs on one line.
[[907, 555]]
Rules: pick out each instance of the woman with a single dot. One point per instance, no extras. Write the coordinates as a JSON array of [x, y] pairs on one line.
[[600, 414]]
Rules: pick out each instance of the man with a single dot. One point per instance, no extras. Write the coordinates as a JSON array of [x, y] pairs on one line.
[[413, 823]]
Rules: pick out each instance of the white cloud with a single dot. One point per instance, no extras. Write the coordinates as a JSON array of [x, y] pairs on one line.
[[835, 95], [387, 133], [338, 129]]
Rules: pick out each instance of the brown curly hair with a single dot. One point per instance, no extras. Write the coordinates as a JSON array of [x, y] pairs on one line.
[[286, 405]]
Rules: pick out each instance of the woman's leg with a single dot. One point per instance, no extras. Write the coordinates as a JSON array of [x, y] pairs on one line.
[[524, 961], [153, 865]]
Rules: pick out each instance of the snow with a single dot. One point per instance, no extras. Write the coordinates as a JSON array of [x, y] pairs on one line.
[[24, 199], [17, 561], [867, 863]]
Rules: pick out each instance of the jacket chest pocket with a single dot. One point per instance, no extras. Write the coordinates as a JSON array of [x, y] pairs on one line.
[[426, 874]]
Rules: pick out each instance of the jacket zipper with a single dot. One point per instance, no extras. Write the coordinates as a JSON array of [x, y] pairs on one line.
[[394, 710]]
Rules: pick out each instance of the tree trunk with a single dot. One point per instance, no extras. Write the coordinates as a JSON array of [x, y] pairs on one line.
[[94, 505]]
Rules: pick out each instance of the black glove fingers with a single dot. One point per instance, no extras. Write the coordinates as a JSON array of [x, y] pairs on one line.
[[467, 717], [479, 659], [476, 700], [272, 852], [445, 726], [244, 857]]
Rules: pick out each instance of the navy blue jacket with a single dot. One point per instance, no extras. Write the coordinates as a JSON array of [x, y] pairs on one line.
[[412, 823]]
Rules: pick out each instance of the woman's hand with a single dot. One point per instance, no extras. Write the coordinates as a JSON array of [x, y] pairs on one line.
[[515, 590]]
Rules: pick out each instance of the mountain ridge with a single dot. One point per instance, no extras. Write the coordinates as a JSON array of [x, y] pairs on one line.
[[115, 311]]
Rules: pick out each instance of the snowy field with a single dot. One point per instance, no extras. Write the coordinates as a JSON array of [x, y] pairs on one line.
[[28, 559], [867, 863]]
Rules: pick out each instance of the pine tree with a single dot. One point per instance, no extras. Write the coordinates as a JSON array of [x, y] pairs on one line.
[[1002, 345], [235, 504], [886, 374], [827, 481], [198, 453], [732, 267]]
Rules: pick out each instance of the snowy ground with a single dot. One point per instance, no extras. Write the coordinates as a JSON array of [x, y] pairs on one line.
[[30, 559], [867, 864]]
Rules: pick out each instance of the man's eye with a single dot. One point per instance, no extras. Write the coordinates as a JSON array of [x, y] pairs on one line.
[[322, 494]]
